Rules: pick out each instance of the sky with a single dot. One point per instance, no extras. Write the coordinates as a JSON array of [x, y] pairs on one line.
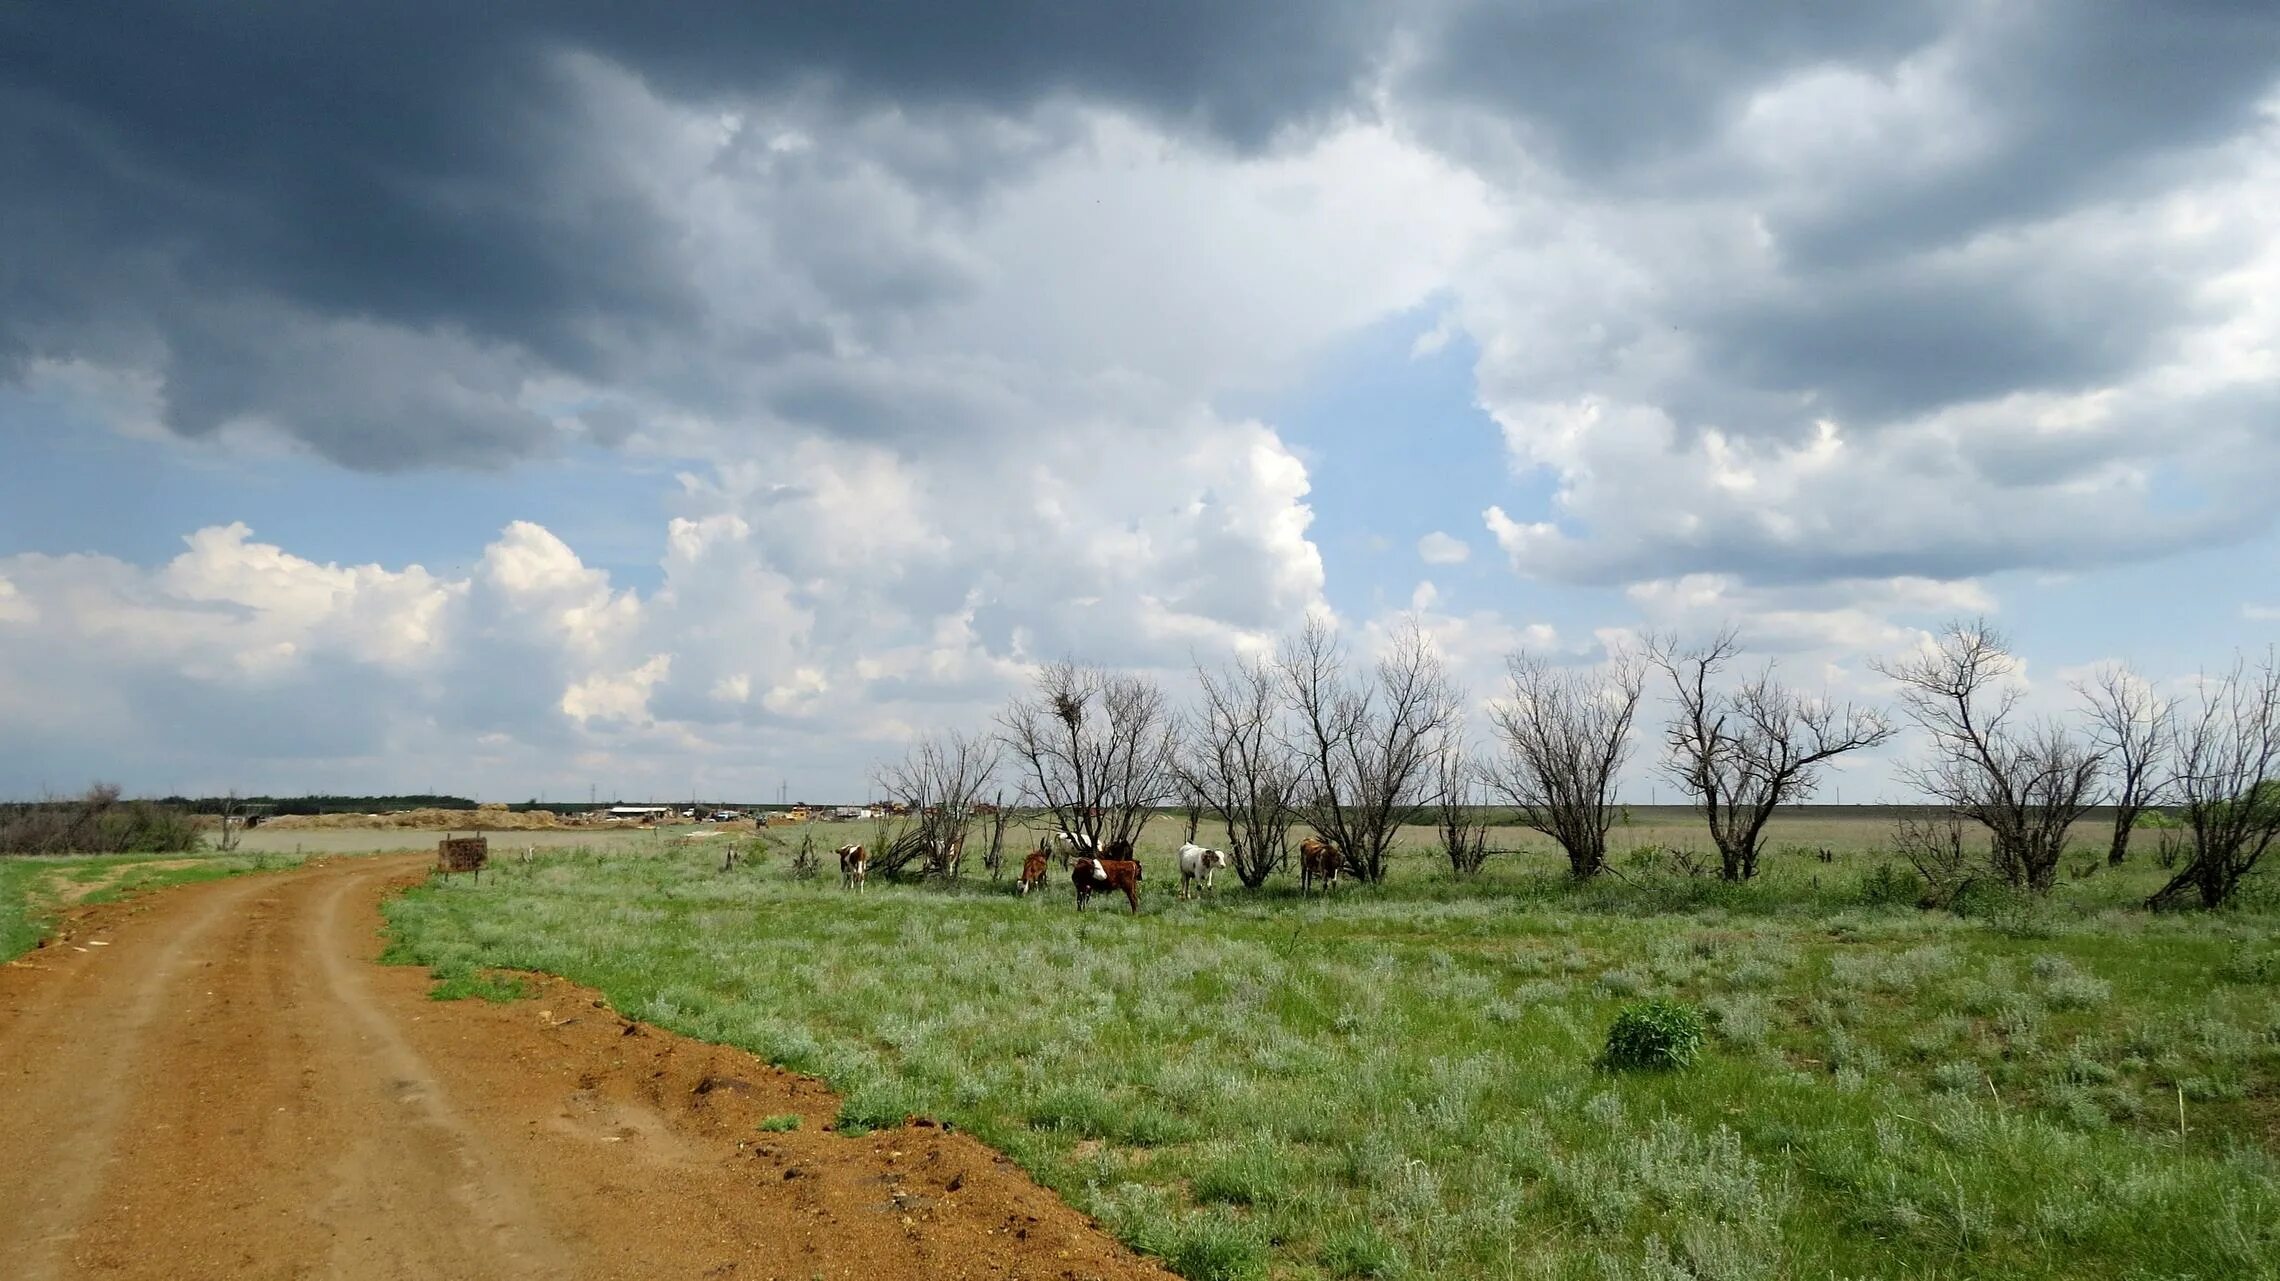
[[529, 399]]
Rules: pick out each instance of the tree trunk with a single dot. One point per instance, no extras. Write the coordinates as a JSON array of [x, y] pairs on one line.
[[2042, 876], [2120, 850], [1586, 858]]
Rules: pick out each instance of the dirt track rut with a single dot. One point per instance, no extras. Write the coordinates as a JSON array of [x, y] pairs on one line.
[[218, 1081]]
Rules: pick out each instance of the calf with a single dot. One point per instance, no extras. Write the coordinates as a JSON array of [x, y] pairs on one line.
[[1103, 874], [1033, 869], [853, 863], [1318, 860], [1197, 864]]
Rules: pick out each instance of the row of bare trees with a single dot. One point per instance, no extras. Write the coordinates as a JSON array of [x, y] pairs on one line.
[[1358, 750], [2025, 781]]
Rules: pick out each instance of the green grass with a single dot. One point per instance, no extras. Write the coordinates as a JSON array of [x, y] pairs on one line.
[[1400, 1081], [29, 886]]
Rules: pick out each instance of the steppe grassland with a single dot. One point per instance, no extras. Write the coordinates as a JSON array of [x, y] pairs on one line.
[[1399, 1080]]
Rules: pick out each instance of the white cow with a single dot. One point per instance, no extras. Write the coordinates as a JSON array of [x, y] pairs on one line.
[[1197, 864]]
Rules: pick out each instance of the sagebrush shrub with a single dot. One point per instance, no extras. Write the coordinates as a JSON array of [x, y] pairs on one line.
[[1890, 886], [1656, 1034]]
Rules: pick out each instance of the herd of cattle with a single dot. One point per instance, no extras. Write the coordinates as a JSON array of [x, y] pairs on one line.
[[1097, 870]]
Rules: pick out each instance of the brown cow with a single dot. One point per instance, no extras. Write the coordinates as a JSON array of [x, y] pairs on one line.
[[1318, 860], [1033, 869], [853, 863], [1103, 874]]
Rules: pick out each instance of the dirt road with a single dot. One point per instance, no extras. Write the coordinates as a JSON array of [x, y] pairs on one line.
[[218, 1081]]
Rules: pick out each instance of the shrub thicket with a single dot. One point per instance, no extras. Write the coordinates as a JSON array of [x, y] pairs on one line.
[[97, 822]]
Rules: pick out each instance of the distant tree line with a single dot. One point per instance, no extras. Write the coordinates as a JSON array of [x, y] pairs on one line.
[[276, 805]]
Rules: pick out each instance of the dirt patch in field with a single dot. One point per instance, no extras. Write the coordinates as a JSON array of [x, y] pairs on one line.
[[220, 1081]]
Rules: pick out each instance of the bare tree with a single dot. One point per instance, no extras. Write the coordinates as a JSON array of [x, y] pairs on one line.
[[2228, 783], [1463, 818], [233, 822], [1741, 752], [2026, 783], [1096, 750], [942, 781], [1938, 847], [2133, 726], [993, 859], [1566, 732], [1237, 761], [1369, 745]]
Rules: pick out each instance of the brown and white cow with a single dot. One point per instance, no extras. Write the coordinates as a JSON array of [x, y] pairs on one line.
[[1197, 863], [1318, 860], [853, 863], [1033, 869], [1091, 875]]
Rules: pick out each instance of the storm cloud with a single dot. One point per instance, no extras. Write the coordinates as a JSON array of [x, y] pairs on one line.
[[955, 326]]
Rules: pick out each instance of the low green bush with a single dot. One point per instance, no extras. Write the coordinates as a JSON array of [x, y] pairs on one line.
[[1657, 1035]]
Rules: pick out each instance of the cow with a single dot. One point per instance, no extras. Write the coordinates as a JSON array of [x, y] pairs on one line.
[[1089, 875], [1033, 869], [1318, 860], [945, 856], [1197, 864], [1070, 843], [853, 863]]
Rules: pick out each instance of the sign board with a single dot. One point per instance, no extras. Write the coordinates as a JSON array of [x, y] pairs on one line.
[[462, 854]]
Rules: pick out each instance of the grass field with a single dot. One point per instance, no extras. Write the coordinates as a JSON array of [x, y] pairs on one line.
[[32, 888], [1400, 1080]]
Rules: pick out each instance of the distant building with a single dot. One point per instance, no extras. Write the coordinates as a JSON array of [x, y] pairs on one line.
[[644, 813]]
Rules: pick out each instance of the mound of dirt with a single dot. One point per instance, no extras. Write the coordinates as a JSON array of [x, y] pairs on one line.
[[489, 818]]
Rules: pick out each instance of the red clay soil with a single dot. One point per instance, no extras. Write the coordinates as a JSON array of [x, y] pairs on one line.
[[219, 1081]]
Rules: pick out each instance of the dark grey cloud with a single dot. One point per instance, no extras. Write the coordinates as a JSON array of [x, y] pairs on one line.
[[1909, 337], [1605, 89], [431, 166], [372, 227], [1890, 287], [2071, 102]]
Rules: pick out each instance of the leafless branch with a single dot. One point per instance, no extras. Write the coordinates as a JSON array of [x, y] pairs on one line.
[[1369, 745], [942, 780], [1237, 760], [2228, 782], [1565, 733], [2133, 725], [2026, 784], [1743, 751], [1095, 749]]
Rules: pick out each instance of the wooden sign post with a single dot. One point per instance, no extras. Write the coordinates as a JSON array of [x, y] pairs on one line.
[[462, 854]]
